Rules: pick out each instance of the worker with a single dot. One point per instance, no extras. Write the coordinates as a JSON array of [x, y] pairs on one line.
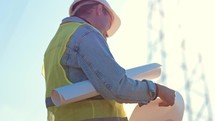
[[78, 52]]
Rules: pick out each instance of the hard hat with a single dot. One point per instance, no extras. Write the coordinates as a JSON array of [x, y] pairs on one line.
[[115, 18]]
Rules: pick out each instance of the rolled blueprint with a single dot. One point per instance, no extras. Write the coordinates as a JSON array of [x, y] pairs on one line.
[[84, 89]]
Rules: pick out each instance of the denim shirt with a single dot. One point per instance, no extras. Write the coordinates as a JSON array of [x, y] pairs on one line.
[[87, 57]]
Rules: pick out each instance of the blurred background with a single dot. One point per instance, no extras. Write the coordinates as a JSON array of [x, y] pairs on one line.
[[178, 34]]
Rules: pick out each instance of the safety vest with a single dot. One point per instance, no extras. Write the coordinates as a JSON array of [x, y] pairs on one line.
[[55, 76]]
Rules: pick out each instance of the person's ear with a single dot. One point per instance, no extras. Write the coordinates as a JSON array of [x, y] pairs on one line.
[[99, 9]]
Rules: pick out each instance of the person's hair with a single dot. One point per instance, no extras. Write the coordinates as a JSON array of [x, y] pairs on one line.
[[85, 9]]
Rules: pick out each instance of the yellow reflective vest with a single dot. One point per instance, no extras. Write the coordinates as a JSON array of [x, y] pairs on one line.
[[55, 76]]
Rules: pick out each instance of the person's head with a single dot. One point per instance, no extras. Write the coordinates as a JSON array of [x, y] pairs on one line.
[[98, 13]]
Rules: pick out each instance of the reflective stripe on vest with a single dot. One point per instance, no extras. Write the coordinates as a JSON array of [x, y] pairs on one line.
[[87, 109]]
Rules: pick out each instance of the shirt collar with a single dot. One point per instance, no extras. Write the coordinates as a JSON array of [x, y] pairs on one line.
[[77, 19], [74, 19]]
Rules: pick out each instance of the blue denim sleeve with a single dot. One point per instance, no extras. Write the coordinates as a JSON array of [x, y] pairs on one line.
[[106, 75]]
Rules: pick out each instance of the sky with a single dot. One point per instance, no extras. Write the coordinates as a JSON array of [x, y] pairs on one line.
[[27, 26]]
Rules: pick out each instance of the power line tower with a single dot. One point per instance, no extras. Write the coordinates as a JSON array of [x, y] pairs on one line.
[[194, 88], [156, 43], [198, 106]]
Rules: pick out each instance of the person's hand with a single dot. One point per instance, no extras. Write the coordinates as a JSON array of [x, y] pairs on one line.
[[167, 95]]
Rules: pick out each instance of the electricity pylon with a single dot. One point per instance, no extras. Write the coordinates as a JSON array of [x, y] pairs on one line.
[[196, 92], [194, 88]]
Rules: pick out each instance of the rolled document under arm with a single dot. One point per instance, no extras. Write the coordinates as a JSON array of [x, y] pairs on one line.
[[84, 89]]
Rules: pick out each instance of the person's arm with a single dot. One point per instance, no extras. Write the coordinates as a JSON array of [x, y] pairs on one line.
[[108, 78]]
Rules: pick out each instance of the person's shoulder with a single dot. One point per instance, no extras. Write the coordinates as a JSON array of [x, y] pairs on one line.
[[86, 28], [87, 31]]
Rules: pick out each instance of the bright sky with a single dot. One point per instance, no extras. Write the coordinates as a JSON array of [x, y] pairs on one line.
[[27, 26]]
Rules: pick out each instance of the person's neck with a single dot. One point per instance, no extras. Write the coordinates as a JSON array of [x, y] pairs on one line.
[[90, 20], [85, 19]]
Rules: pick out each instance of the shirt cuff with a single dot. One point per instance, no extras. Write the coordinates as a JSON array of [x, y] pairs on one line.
[[152, 89]]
